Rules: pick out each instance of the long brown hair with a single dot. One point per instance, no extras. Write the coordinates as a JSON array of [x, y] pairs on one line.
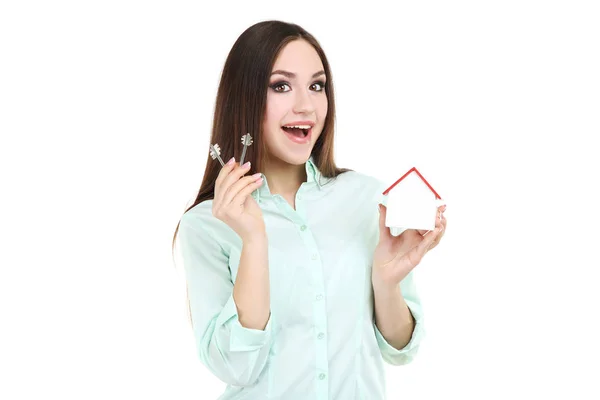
[[241, 103]]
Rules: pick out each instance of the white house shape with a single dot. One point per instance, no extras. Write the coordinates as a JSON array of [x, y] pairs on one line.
[[411, 203]]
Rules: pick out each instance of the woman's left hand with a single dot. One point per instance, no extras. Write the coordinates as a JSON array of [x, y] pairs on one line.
[[396, 256]]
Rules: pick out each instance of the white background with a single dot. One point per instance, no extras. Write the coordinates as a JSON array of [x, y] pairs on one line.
[[105, 111]]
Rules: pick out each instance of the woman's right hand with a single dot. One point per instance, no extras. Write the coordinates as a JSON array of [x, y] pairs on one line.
[[233, 203]]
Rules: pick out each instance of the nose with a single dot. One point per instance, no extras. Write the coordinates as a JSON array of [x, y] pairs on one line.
[[303, 103]]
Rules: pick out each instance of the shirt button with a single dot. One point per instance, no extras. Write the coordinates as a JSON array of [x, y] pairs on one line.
[[319, 296], [314, 257], [321, 376], [303, 227], [299, 197], [321, 335]]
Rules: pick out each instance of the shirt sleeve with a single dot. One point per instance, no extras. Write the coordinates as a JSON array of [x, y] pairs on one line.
[[235, 354], [405, 355]]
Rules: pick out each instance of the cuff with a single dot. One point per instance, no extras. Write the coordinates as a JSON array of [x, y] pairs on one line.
[[242, 338], [417, 335]]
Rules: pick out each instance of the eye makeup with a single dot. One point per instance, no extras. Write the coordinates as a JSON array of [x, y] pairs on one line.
[[278, 84]]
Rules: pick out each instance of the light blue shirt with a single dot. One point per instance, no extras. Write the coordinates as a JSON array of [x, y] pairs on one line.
[[320, 341]]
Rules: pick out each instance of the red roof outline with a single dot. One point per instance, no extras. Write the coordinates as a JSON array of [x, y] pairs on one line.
[[437, 196]]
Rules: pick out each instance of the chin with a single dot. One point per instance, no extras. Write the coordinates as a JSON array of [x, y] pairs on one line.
[[295, 159]]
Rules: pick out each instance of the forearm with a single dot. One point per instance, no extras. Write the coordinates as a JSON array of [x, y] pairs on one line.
[[251, 291], [392, 316]]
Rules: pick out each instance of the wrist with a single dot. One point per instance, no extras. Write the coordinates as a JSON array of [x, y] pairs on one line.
[[384, 288], [255, 239]]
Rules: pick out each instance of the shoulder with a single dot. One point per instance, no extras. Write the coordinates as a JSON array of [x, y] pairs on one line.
[[199, 227], [368, 184], [200, 218]]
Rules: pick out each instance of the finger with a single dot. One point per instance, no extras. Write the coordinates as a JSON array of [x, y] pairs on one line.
[[428, 241], [384, 231], [223, 173], [422, 231], [440, 211], [416, 254], [234, 175], [440, 235], [237, 187], [438, 218], [441, 222], [435, 242], [243, 194]]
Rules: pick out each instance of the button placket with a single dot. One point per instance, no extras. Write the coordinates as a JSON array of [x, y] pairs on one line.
[[319, 306]]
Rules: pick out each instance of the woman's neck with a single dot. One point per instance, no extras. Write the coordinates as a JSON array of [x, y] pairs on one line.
[[284, 178]]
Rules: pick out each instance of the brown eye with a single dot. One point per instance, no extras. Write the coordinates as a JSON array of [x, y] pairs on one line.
[[320, 86], [278, 87]]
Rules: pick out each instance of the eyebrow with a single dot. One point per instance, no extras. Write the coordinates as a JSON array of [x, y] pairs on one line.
[[292, 75]]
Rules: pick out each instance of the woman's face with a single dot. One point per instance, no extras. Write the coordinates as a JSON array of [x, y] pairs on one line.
[[295, 98]]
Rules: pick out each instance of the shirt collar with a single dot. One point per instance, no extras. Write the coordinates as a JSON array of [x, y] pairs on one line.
[[312, 172], [313, 175]]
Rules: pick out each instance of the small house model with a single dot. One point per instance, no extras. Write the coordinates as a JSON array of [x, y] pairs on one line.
[[411, 203]]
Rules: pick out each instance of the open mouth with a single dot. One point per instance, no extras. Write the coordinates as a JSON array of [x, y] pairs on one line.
[[298, 131]]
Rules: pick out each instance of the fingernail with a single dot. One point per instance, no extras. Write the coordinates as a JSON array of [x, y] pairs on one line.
[[247, 164], [257, 175], [231, 161]]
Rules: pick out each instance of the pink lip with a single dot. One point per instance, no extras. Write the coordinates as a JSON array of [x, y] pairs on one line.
[[298, 140]]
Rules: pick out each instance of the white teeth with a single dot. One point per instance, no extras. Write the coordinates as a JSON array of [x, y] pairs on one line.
[[298, 126]]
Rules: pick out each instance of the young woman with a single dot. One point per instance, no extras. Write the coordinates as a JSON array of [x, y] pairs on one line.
[[296, 288]]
